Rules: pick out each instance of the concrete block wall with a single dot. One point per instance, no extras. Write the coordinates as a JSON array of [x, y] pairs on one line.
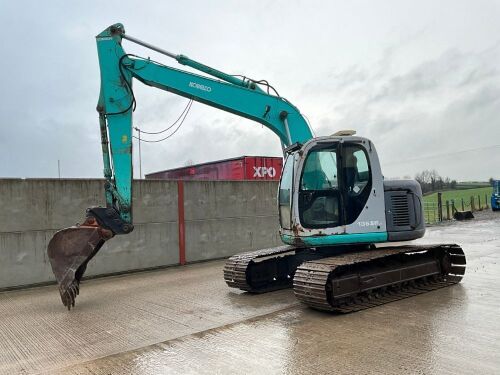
[[221, 219], [227, 217]]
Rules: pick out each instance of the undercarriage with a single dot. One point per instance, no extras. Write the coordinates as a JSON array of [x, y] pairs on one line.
[[347, 279]]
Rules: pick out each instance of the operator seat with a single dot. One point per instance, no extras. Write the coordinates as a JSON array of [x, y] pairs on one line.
[[351, 172]]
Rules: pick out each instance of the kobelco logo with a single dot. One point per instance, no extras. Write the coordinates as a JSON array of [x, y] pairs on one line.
[[264, 171], [200, 86]]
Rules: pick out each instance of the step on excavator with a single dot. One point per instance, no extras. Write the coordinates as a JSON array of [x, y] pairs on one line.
[[341, 224]]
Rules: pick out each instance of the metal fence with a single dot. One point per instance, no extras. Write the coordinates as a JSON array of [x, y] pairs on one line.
[[435, 212]]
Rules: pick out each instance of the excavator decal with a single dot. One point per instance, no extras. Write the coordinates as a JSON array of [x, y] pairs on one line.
[[200, 87]]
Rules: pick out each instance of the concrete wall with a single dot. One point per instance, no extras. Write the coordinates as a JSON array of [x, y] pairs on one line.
[[222, 218]]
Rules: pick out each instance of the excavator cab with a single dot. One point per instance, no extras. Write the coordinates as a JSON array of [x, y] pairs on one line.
[[328, 193]]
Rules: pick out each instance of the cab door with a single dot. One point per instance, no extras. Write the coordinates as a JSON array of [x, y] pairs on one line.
[[335, 185], [320, 197], [356, 180]]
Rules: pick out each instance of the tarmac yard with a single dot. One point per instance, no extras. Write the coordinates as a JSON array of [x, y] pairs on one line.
[[185, 320]]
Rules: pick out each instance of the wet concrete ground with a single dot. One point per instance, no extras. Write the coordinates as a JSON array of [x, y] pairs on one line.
[[185, 320]]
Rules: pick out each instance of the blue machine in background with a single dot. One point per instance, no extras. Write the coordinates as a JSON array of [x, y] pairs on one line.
[[495, 196]]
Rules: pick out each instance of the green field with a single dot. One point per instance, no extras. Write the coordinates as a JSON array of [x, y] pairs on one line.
[[481, 196], [457, 195]]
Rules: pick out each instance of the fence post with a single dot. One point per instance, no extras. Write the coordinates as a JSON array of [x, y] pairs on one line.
[[453, 208], [463, 207], [447, 210], [472, 208], [486, 200], [479, 202], [440, 207]]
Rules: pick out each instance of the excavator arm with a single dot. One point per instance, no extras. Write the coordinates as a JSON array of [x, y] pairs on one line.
[[242, 97], [71, 249]]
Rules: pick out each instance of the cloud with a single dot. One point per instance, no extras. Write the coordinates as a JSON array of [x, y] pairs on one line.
[[405, 78], [441, 105]]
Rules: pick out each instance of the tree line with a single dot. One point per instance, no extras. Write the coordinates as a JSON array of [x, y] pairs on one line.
[[430, 180]]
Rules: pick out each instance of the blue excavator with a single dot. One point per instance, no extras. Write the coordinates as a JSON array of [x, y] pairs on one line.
[[495, 195], [337, 215]]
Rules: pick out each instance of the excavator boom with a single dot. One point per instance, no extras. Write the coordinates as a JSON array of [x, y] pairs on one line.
[[71, 249]]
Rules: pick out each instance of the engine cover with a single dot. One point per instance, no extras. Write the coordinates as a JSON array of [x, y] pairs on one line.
[[404, 210]]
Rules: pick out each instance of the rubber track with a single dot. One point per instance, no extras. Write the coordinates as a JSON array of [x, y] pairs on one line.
[[237, 265], [313, 278]]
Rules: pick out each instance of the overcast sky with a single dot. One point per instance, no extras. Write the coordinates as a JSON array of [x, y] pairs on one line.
[[420, 78]]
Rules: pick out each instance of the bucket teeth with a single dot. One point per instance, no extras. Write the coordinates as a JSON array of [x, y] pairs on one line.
[[68, 295], [69, 252]]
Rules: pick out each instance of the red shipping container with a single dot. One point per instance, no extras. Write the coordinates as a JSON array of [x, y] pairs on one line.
[[241, 168]]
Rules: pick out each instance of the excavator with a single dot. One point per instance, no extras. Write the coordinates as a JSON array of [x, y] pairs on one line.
[[341, 223]]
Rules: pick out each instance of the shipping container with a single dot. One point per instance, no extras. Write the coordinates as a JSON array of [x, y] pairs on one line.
[[241, 168]]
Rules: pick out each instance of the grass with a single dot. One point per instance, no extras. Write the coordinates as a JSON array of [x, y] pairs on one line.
[[431, 207], [457, 195]]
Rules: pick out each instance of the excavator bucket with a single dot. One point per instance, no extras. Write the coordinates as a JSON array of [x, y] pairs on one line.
[[69, 252]]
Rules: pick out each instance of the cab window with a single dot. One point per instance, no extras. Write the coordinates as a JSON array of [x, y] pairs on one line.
[[285, 193], [357, 180], [319, 197]]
